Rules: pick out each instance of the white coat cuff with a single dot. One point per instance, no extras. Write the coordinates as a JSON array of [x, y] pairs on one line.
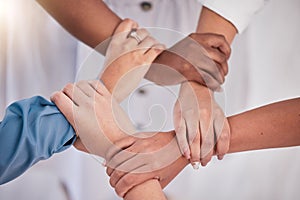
[[238, 12]]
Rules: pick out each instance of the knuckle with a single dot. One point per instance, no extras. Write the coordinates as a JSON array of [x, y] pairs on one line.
[[93, 82], [118, 174], [205, 113], [220, 36], [218, 112], [128, 180], [56, 96], [128, 21], [68, 87]]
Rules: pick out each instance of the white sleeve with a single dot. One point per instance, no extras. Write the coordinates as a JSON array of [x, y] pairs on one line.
[[238, 12]]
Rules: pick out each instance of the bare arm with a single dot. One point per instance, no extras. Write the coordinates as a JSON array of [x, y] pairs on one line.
[[271, 126], [81, 102], [92, 27], [211, 22]]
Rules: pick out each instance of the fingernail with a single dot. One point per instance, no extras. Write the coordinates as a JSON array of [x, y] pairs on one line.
[[186, 153], [220, 157], [196, 165]]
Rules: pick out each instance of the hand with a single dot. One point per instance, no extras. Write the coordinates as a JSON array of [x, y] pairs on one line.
[[133, 161], [128, 59], [88, 105], [95, 116], [200, 125], [199, 57]]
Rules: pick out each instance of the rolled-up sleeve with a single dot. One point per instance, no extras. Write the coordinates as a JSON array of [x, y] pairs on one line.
[[32, 130], [238, 12]]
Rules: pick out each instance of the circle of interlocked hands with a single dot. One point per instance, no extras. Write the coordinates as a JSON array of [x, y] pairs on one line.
[[198, 63]]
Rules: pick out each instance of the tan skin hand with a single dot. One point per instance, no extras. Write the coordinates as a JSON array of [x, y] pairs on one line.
[[92, 109], [200, 124], [279, 123]]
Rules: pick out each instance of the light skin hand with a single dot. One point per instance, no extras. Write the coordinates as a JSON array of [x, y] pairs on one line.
[[200, 124], [88, 106], [153, 157], [97, 117], [126, 61]]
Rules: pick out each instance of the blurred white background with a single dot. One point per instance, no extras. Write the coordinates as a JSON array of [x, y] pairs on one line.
[[38, 57]]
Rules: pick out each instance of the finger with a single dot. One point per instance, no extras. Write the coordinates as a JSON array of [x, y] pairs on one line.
[[201, 51], [120, 36], [79, 146], [117, 161], [119, 146], [222, 130], [153, 52], [220, 42], [207, 131], [181, 134], [99, 87], [142, 34], [75, 94], [133, 43], [218, 58], [207, 146], [86, 88], [130, 180], [127, 167], [65, 105], [147, 43], [109, 171], [208, 80], [195, 139], [125, 26]]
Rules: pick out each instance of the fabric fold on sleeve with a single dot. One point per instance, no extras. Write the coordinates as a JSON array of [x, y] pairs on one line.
[[32, 130]]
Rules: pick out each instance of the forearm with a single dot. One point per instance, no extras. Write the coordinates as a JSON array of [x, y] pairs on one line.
[[151, 189], [91, 21], [147, 191], [211, 22], [272, 126]]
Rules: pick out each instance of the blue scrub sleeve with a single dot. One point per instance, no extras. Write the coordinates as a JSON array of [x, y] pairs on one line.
[[32, 130]]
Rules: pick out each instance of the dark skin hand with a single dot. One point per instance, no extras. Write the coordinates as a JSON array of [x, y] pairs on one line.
[[205, 62]]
